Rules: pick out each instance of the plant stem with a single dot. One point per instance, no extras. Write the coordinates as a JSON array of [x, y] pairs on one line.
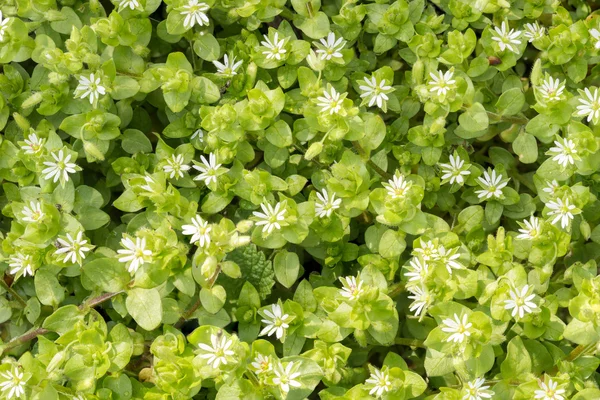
[[13, 293], [410, 342], [188, 313], [361, 152]]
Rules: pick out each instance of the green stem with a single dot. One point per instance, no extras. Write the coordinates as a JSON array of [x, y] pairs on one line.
[[13, 293], [410, 342], [361, 152], [188, 313]]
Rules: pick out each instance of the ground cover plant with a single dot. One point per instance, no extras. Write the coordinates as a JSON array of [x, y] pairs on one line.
[[263, 199]]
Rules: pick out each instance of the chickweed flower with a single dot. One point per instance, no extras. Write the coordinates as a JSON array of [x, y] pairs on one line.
[[397, 187], [520, 302], [262, 364], [21, 264], [564, 153], [380, 382], [330, 48], [352, 287], [562, 211], [448, 258], [417, 270], [441, 82], [331, 101], [492, 185], [74, 249], [131, 4], [228, 67], [134, 254], [12, 382], [3, 25], [200, 231], [176, 166], [422, 298], [271, 216], [534, 31], [595, 34], [427, 250], [552, 89], [506, 39], [208, 169], [375, 92], [60, 168], [326, 204], [33, 144], [549, 391], [218, 351], [590, 105], [90, 87], [457, 327], [33, 212], [529, 229], [551, 188], [275, 321], [477, 390], [275, 48], [455, 171], [195, 14], [286, 377]]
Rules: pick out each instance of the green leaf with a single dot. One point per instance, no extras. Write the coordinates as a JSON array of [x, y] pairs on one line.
[[47, 288], [134, 141], [517, 362], [145, 306], [207, 47], [213, 299], [287, 266], [105, 274], [255, 269], [474, 120], [511, 102]]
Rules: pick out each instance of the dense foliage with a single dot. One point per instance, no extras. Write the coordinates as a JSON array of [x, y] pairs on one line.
[[263, 199]]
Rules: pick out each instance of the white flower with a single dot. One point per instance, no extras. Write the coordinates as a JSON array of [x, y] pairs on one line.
[[590, 106], [131, 4], [33, 144], [596, 35], [262, 364], [552, 89], [381, 383], [270, 217], [427, 250], [149, 183], [326, 204], [551, 188], [506, 39], [492, 185], [562, 210], [459, 329], [218, 352], [13, 384], [3, 25], [34, 212], [531, 229], [534, 31], [175, 166], [375, 91], [21, 263], [564, 153], [200, 231], [331, 101], [199, 133], [276, 322], [90, 87], [195, 13], [331, 47], [135, 253], [476, 390], [397, 186], [520, 303], [417, 270], [421, 298], [448, 258], [284, 377], [352, 287], [441, 82], [73, 249], [275, 47], [455, 170], [549, 391], [228, 67], [208, 170], [60, 168]]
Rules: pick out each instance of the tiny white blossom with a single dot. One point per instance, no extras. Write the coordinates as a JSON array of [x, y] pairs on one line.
[[397, 186], [262, 364], [531, 229], [275, 48], [417, 270], [195, 13], [352, 287], [459, 329], [506, 39], [284, 377], [331, 47], [455, 171], [33, 144], [549, 391], [73, 248], [175, 166], [551, 188], [492, 185], [228, 67], [270, 217], [3, 25], [200, 231], [596, 35], [218, 352], [326, 204], [375, 91], [21, 263], [562, 211], [427, 250], [381, 383], [134, 254], [131, 4], [520, 303], [33, 212], [199, 133], [564, 153], [90, 87], [534, 31], [275, 322], [552, 89], [590, 105], [476, 390], [60, 168], [441, 82], [13, 382], [148, 187], [331, 101], [421, 298], [208, 171], [448, 258]]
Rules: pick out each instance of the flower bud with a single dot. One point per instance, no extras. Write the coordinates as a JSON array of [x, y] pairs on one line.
[[585, 229], [239, 241], [56, 361], [314, 62], [244, 226], [314, 150], [32, 100], [21, 121]]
